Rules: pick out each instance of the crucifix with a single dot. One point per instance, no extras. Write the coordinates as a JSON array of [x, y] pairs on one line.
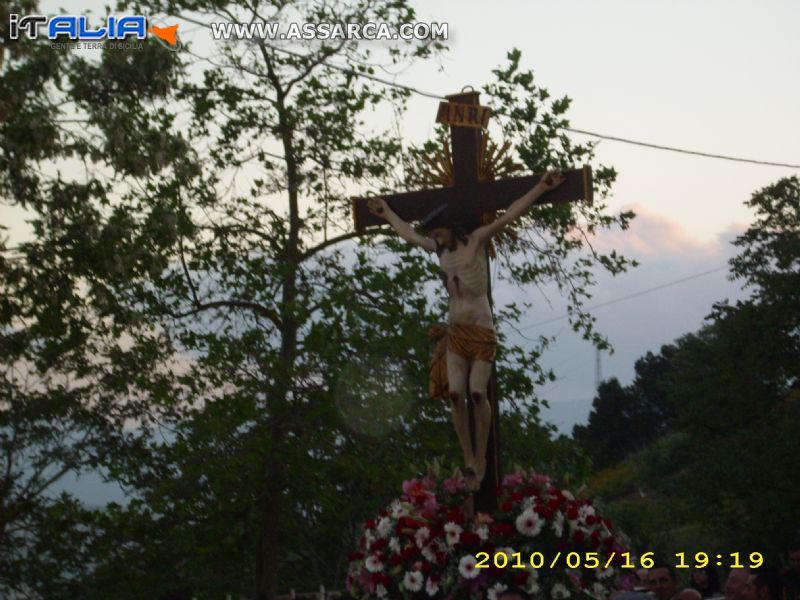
[[457, 220]]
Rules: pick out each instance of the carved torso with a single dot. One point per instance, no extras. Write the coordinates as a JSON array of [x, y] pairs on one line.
[[465, 270]]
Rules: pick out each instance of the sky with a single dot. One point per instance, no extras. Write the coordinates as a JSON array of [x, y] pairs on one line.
[[708, 75]]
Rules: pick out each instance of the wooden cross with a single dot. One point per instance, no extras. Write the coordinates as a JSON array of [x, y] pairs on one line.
[[472, 198]]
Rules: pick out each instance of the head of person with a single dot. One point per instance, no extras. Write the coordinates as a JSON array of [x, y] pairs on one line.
[[689, 594], [641, 581], [443, 229], [735, 583], [762, 584], [706, 580], [793, 552], [663, 581], [513, 593]]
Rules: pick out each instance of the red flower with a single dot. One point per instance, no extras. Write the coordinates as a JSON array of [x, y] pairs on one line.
[[506, 506], [543, 511], [502, 530], [517, 496], [595, 539], [572, 512], [378, 545], [355, 556], [554, 503], [521, 577], [591, 520], [578, 537], [456, 515], [369, 524], [469, 538]]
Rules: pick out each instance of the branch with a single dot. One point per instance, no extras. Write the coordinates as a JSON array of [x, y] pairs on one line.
[[344, 237], [254, 306]]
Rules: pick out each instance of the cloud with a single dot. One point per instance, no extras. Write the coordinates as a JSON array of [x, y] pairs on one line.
[[672, 291]]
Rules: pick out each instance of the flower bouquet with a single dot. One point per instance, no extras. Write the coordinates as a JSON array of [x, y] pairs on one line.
[[541, 539]]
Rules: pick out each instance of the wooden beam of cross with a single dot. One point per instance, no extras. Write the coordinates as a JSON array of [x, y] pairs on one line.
[[468, 199]]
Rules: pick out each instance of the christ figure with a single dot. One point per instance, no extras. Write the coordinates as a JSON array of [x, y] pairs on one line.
[[470, 340]]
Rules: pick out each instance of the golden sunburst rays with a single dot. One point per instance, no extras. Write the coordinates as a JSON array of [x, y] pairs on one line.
[[495, 162], [439, 167]]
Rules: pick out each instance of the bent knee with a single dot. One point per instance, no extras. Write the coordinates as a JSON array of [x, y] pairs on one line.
[[476, 397]]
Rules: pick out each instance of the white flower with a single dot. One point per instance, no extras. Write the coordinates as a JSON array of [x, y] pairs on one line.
[[384, 527], [509, 552], [429, 554], [598, 590], [452, 532], [559, 591], [568, 495], [532, 586], [483, 532], [606, 573], [373, 564], [431, 587], [397, 509], [496, 589], [585, 511], [466, 566], [421, 536], [558, 524], [413, 581], [529, 523], [394, 545], [380, 591]]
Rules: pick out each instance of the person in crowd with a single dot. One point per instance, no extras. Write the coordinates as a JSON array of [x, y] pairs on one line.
[[735, 583], [663, 581], [791, 575], [689, 594], [706, 581], [763, 583], [641, 583]]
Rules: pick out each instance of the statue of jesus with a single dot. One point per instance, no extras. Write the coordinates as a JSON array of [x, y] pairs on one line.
[[470, 339]]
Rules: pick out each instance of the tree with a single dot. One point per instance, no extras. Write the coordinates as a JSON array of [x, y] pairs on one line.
[[261, 370], [626, 419], [732, 388]]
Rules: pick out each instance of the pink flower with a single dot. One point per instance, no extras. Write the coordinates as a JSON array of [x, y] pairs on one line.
[[513, 480], [417, 491], [453, 485], [542, 480]]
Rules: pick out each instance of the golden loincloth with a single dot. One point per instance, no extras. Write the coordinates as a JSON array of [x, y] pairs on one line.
[[473, 342]]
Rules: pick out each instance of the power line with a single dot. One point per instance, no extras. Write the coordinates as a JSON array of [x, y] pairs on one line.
[[630, 296], [602, 136], [681, 150]]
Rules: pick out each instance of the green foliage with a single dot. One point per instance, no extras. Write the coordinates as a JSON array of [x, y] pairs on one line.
[[723, 479], [193, 318], [625, 419]]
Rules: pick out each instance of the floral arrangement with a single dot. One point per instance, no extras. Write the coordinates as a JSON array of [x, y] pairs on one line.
[[541, 539]]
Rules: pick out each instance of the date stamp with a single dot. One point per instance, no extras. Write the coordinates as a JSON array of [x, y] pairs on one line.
[[621, 560]]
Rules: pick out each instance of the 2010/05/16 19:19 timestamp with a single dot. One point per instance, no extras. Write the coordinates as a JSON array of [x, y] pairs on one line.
[[622, 560]]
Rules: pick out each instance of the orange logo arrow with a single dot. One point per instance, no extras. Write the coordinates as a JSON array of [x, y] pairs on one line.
[[168, 34]]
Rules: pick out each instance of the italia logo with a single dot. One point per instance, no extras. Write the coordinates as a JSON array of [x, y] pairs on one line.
[[76, 28]]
